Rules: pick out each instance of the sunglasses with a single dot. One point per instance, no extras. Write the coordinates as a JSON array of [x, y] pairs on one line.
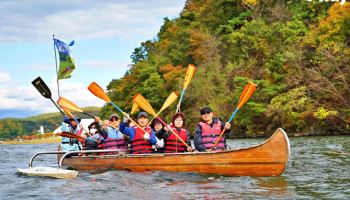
[[114, 119], [205, 112]]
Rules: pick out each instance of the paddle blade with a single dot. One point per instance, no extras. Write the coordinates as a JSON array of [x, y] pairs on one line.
[[69, 114], [170, 100], [95, 89], [144, 104], [246, 94], [134, 108], [40, 85], [189, 74], [70, 135], [63, 102]]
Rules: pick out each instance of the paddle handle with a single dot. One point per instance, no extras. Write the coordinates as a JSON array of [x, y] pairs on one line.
[[101, 121], [223, 131], [88, 115], [86, 131], [233, 115], [173, 132], [180, 100], [57, 107], [120, 110]]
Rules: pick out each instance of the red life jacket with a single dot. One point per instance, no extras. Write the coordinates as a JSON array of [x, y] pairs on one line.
[[210, 135], [173, 144], [138, 144], [113, 143]]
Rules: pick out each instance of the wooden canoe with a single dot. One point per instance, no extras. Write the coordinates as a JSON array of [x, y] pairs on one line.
[[267, 159]]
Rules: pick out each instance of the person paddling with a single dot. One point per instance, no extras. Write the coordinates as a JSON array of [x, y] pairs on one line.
[[70, 125], [141, 142], [115, 139], [208, 130], [172, 143], [97, 138]]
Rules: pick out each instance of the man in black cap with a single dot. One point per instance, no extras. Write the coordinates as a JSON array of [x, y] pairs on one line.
[[141, 138], [208, 131]]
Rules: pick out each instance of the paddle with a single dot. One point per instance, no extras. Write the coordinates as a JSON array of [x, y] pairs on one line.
[[134, 108], [40, 85], [189, 74], [246, 94], [72, 135], [63, 102], [70, 115], [170, 100], [146, 106], [96, 90]]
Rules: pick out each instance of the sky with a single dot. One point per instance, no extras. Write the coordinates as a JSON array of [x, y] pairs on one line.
[[105, 33]]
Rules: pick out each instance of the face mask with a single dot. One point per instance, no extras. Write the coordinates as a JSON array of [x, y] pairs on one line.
[[93, 130]]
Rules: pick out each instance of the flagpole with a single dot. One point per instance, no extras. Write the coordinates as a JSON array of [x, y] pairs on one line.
[[54, 49]]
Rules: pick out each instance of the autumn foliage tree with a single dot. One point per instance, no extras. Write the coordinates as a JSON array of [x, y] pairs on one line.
[[296, 51]]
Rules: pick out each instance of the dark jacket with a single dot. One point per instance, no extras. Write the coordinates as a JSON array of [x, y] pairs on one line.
[[198, 135]]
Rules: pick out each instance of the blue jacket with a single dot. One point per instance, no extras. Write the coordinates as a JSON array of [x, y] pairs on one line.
[[130, 131], [69, 144]]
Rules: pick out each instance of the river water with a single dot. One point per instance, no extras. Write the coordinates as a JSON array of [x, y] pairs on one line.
[[319, 168]]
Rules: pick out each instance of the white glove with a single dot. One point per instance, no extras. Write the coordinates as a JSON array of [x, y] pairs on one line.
[[160, 143], [146, 136], [126, 118]]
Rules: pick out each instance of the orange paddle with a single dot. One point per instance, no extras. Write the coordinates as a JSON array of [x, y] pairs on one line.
[[246, 94]]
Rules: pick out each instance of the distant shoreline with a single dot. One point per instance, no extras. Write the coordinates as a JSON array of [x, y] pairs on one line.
[[34, 141]]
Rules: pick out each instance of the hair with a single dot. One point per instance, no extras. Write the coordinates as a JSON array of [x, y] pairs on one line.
[[92, 124], [154, 123], [179, 114]]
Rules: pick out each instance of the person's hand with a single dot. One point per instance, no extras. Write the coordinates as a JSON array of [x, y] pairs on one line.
[[97, 119], [209, 150], [227, 126], [105, 124], [189, 149], [146, 136], [126, 118], [167, 128], [160, 143]]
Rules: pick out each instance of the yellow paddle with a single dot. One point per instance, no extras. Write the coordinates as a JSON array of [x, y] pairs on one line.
[[95, 89], [246, 94], [146, 106], [134, 108], [63, 102], [189, 74], [170, 100]]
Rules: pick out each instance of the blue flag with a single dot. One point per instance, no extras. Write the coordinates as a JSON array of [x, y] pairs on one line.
[[67, 64]]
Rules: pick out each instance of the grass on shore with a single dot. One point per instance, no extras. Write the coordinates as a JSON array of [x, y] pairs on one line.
[[35, 141]]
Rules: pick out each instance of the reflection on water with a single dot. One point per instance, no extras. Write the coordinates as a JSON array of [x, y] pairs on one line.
[[318, 169]]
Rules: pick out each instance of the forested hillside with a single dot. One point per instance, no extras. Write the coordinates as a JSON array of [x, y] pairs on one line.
[[10, 128], [297, 52]]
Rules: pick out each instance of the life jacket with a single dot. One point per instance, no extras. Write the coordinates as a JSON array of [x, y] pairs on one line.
[[70, 144], [138, 144], [114, 143], [173, 144], [210, 135]]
